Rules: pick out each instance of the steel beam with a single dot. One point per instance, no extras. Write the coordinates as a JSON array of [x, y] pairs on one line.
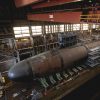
[[65, 17], [49, 3], [20, 3]]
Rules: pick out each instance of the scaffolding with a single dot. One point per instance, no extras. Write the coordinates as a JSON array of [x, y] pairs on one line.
[[91, 18]]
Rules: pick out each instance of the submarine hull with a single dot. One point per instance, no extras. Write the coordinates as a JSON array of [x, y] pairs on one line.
[[49, 62]]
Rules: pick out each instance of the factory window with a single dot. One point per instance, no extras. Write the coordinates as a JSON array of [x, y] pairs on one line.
[[48, 29], [94, 26], [85, 26], [66, 29], [36, 30], [61, 28], [21, 32], [76, 27], [97, 26], [55, 28], [51, 28]]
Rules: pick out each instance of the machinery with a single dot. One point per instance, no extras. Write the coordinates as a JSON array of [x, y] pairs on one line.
[[67, 39]]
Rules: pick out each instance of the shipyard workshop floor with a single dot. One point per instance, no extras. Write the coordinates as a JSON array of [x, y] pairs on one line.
[[49, 49], [86, 86], [89, 91]]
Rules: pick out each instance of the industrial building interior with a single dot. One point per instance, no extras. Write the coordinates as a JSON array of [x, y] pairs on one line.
[[50, 50]]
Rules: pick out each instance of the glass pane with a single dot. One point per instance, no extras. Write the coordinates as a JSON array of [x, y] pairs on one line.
[[61, 28], [24, 28], [26, 35], [17, 36], [25, 31], [16, 28], [36, 30], [17, 32], [85, 26]]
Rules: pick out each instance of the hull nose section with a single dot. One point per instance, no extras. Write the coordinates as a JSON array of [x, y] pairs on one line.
[[20, 72]]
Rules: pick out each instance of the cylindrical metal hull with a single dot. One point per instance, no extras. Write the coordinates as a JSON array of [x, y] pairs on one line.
[[49, 62]]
